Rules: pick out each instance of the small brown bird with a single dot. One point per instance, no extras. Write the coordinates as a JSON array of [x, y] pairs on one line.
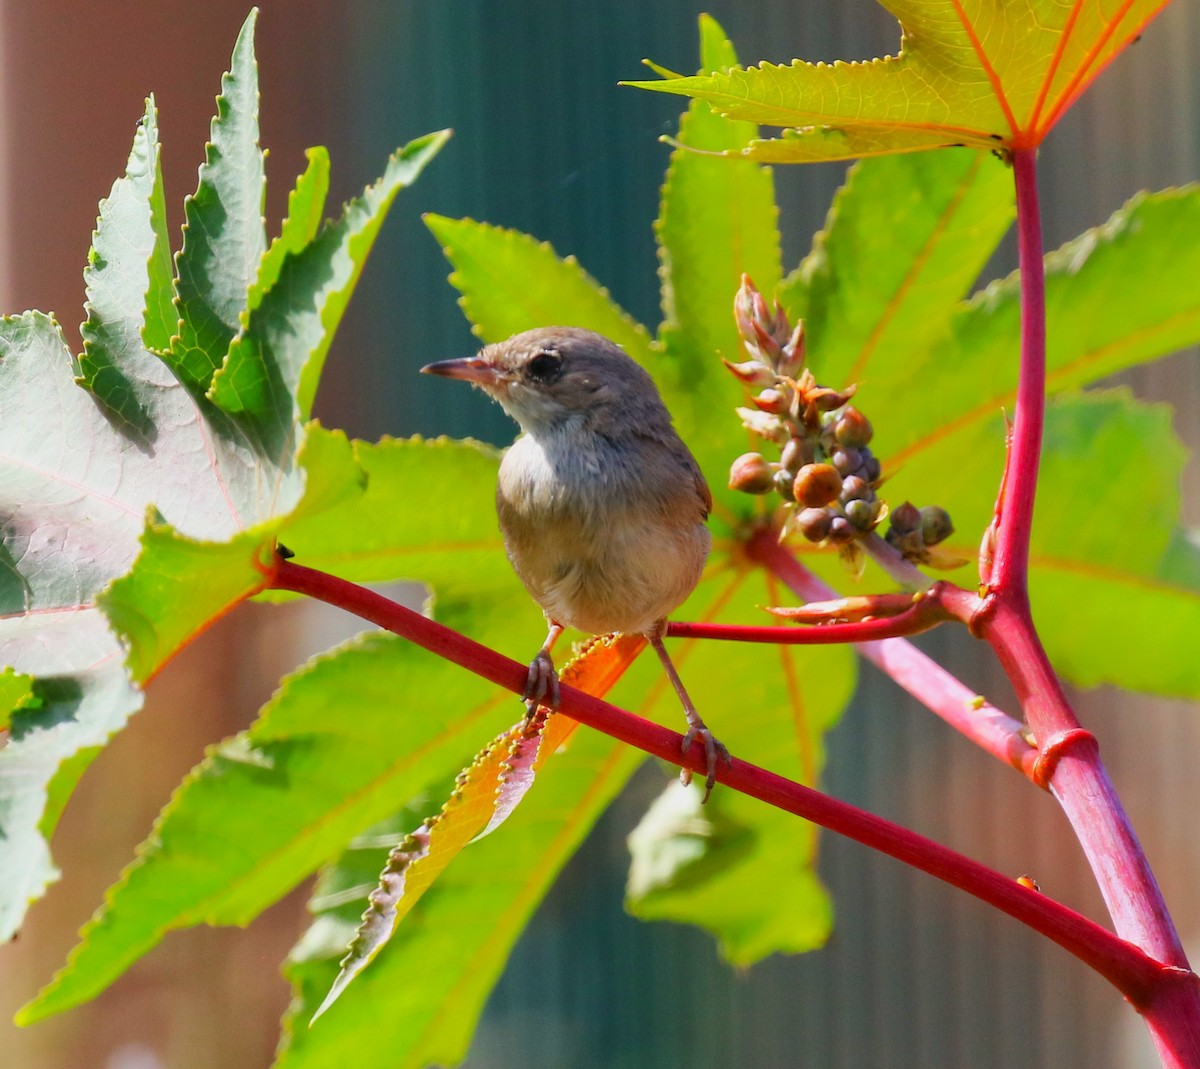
[[601, 505]]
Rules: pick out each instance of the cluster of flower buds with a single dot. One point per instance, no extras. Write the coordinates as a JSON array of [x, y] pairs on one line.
[[826, 472]]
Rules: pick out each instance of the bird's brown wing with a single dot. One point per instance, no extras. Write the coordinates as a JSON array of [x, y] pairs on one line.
[[702, 490]]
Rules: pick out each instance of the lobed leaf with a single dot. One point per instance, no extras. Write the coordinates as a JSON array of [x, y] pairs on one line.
[[280, 351], [717, 221], [285, 796], [510, 282], [905, 239], [969, 374], [73, 499], [224, 236], [73, 502], [973, 72], [1095, 580]]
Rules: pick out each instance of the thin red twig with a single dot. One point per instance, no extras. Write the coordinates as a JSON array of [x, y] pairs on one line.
[[938, 690], [1134, 973]]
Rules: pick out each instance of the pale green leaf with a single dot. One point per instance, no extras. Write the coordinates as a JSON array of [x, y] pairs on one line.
[[224, 234], [510, 282], [905, 240], [280, 351], [717, 222]]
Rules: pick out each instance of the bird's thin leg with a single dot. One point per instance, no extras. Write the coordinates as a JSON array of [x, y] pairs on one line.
[[714, 750], [541, 685]]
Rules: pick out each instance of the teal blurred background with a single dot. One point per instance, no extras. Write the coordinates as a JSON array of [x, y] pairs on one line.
[[917, 975]]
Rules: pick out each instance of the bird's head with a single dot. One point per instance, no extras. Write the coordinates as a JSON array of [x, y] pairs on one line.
[[555, 376]]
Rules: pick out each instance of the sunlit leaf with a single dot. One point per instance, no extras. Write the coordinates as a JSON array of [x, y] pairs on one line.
[[509, 283], [905, 240], [717, 221], [1109, 606], [224, 233], [979, 73]]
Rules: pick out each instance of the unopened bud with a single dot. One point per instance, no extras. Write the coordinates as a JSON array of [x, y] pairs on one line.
[[853, 428], [906, 518], [855, 488], [796, 454], [771, 400], [936, 525], [817, 485], [752, 372], [860, 513], [751, 474], [814, 524], [841, 531], [846, 460]]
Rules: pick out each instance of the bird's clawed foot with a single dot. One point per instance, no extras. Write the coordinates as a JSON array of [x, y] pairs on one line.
[[714, 751], [541, 685]]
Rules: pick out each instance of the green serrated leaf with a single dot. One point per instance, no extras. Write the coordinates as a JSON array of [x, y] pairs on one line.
[[324, 776], [161, 320], [281, 350], [983, 74], [328, 755], [905, 239], [969, 374], [717, 221], [405, 1014], [179, 585], [224, 234], [74, 505], [116, 284], [306, 203], [771, 706], [1095, 584], [511, 282]]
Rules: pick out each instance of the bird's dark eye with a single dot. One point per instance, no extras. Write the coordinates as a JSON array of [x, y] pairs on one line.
[[545, 367]]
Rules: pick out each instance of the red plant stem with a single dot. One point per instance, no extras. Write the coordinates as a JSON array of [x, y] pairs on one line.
[[816, 635], [1131, 971], [938, 603], [1010, 566], [988, 727], [1069, 762], [1078, 778]]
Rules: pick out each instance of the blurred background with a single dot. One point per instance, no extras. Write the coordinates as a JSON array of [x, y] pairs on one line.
[[916, 975]]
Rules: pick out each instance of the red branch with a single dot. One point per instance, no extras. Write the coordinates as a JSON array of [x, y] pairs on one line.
[[1011, 560], [967, 712], [1131, 971], [1070, 763], [925, 610]]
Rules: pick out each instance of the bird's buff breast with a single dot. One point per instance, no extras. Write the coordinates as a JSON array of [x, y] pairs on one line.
[[598, 545]]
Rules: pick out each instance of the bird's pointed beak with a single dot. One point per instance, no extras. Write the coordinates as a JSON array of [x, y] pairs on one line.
[[477, 369]]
